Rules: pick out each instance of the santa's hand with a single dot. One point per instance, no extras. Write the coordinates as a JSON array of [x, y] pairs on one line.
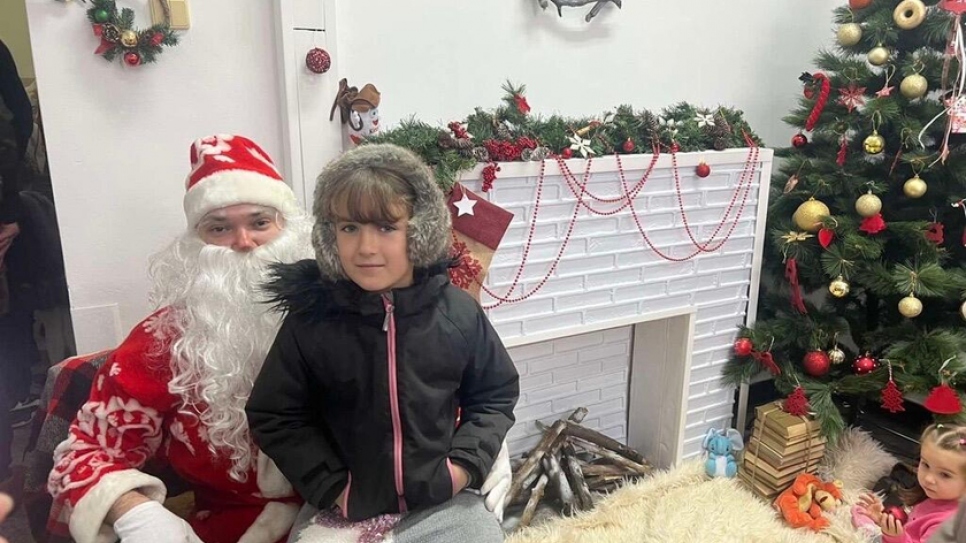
[[150, 522], [497, 483]]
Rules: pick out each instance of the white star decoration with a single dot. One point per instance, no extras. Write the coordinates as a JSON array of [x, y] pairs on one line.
[[464, 205]]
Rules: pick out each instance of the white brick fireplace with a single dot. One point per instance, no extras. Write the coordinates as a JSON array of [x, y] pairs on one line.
[[637, 339]]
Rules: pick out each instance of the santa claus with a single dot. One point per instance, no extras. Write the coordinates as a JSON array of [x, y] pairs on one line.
[[175, 390]]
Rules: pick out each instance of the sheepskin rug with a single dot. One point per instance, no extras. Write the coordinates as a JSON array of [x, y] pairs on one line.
[[683, 504]]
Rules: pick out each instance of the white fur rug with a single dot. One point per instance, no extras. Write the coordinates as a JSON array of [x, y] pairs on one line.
[[683, 505]]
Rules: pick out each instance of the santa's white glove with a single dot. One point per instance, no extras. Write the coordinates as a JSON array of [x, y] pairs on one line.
[[497, 483], [150, 522]]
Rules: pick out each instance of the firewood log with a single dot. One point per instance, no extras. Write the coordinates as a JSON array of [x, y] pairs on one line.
[[552, 438], [535, 498], [571, 467], [605, 442], [616, 458], [558, 480]]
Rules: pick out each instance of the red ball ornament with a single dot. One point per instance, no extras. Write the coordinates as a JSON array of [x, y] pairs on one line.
[[743, 346], [702, 170], [859, 4], [132, 59], [318, 60], [628, 146], [864, 364], [156, 39], [799, 140], [816, 363], [566, 153], [898, 512]]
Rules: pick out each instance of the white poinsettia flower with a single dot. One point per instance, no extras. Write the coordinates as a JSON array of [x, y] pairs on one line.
[[704, 119], [669, 125], [580, 145]]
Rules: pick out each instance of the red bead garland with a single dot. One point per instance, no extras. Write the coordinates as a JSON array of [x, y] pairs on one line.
[[626, 200]]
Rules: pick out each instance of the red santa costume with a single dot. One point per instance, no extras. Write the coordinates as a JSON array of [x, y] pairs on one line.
[[174, 391]]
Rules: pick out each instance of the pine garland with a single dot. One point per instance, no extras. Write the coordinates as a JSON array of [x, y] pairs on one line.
[[608, 133]]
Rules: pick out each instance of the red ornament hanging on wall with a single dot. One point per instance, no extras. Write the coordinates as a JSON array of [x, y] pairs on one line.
[[743, 346], [318, 61], [702, 170]]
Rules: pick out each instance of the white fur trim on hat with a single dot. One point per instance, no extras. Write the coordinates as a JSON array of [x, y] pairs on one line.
[[87, 519], [234, 187]]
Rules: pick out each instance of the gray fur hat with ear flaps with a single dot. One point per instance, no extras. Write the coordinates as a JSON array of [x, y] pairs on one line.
[[429, 228]]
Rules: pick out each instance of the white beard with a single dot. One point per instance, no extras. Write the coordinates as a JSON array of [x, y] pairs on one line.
[[222, 329]]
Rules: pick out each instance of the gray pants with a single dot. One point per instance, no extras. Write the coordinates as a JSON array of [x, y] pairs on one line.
[[463, 519]]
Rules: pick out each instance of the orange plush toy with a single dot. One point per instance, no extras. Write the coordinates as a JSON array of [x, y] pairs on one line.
[[802, 504]]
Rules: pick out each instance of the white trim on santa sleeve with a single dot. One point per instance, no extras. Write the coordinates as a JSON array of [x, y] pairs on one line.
[[87, 518]]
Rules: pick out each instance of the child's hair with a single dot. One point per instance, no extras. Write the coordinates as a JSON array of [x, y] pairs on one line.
[[369, 195], [944, 436], [377, 184]]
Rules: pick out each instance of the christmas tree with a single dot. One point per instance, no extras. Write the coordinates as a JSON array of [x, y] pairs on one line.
[[866, 238]]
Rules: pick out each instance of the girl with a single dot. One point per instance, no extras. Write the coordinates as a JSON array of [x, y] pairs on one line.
[[357, 401], [941, 483]]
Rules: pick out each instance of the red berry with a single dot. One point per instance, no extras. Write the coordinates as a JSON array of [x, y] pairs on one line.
[[743, 346], [566, 153], [628, 146], [132, 59], [702, 170], [799, 140]]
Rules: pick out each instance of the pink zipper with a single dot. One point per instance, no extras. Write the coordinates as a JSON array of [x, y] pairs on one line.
[[389, 326]]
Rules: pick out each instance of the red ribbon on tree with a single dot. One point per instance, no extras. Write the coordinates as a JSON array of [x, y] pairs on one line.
[[791, 273], [935, 233], [766, 359], [843, 151]]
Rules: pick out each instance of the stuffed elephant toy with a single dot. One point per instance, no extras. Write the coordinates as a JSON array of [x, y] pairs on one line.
[[721, 446]]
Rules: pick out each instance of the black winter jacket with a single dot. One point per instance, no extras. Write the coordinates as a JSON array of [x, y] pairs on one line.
[[362, 389]]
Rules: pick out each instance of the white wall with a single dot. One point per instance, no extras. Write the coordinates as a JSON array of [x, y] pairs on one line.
[[118, 140], [441, 58]]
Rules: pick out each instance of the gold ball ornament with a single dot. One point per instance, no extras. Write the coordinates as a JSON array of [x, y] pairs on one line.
[[868, 205], [836, 355], [914, 86], [914, 187], [909, 14], [849, 34], [129, 38], [839, 287], [874, 143], [809, 215], [910, 307], [878, 56]]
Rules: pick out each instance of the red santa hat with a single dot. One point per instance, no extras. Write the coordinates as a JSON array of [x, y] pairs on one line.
[[227, 170]]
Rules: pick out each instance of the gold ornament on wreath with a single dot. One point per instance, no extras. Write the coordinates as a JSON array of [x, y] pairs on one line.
[[909, 14], [839, 287], [809, 215], [119, 37], [868, 205], [878, 56], [849, 34]]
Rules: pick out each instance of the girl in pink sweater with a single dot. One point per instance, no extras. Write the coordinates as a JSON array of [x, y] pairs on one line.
[[941, 483]]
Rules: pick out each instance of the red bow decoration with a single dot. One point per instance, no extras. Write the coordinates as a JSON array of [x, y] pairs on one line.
[[791, 273], [766, 359], [935, 233], [873, 224], [796, 403]]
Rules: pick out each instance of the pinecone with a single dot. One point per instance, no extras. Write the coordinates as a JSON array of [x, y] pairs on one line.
[[721, 127], [481, 154], [720, 144], [445, 140], [503, 132], [650, 124]]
